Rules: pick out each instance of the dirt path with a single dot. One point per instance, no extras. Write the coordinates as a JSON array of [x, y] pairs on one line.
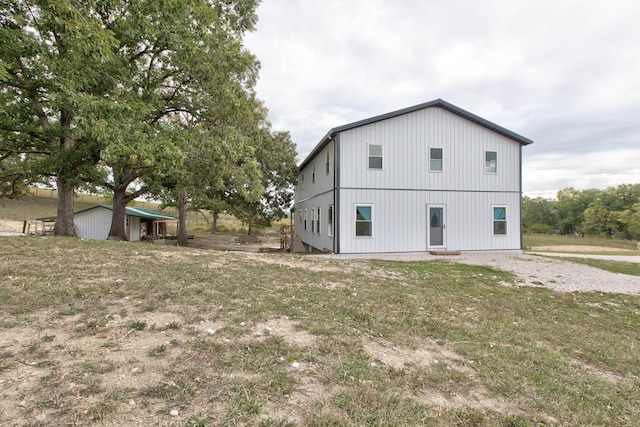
[[536, 270]]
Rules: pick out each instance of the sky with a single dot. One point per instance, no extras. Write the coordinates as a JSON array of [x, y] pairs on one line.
[[563, 73]]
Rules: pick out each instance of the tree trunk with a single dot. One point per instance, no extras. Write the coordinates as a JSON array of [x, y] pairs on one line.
[[249, 228], [64, 223], [122, 178], [182, 218], [118, 230], [214, 223]]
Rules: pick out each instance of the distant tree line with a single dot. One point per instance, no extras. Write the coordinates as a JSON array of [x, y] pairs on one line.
[[139, 98], [614, 212]]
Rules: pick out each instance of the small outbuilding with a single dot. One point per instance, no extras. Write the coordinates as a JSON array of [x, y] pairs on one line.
[[140, 223]]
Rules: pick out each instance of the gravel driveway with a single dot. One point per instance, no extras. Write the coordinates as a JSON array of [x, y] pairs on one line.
[[536, 270]]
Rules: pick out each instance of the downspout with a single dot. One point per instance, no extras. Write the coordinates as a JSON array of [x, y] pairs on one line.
[[520, 202], [336, 195]]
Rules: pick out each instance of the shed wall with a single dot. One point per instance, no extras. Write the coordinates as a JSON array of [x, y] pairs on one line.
[[93, 224], [134, 228]]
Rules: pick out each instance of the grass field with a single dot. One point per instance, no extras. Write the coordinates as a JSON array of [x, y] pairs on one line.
[[43, 203], [116, 333], [559, 240]]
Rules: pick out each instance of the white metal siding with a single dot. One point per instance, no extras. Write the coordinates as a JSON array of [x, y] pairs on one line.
[[400, 220], [323, 181], [406, 140], [93, 224], [401, 192], [316, 195], [134, 228], [320, 241]]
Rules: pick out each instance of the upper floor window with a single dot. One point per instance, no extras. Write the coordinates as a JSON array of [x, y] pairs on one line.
[[313, 174], [327, 163], [490, 162], [375, 156], [435, 159], [302, 181]]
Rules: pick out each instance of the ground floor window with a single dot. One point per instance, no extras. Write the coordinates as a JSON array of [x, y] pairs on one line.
[[499, 220], [330, 221], [364, 221], [313, 219], [306, 216], [318, 220]]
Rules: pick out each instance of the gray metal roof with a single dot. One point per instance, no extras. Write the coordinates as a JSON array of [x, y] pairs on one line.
[[435, 103]]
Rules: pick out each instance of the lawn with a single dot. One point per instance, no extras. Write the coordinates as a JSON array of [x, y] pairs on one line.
[[546, 240], [126, 333]]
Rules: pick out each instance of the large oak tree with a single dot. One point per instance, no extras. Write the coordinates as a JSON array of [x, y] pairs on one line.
[[109, 93], [56, 72]]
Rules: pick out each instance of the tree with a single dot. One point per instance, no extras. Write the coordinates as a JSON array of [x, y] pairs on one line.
[[186, 73], [539, 215], [56, 62], [571, 207], [95, 89], [633, 221], [276, 154]]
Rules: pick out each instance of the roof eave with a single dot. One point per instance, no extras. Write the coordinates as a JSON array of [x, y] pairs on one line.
[[318, 148]]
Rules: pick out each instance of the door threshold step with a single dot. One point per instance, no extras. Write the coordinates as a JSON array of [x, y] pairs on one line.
[[444, 252]]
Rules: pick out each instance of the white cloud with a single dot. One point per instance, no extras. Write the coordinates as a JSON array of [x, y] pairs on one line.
[[563, 74], [545, 174]]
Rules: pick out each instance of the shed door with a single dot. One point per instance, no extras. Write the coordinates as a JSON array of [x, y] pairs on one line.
[[436, 227]]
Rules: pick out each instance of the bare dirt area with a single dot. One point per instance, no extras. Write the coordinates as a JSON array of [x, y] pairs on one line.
[[10, 226], [225, 242]]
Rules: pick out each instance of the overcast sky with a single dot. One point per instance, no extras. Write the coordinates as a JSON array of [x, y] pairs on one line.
[[563, 73]]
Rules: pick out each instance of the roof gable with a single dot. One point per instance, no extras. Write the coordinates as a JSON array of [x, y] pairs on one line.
[[439, 103]]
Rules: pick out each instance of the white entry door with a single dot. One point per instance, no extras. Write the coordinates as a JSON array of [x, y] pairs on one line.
[[436, 226]]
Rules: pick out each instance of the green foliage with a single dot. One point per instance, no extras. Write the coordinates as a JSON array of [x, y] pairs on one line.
[[613, 212], [57, 59], [136, 98]]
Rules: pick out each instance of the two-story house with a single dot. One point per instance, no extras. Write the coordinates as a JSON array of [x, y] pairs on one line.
[[424, 178]]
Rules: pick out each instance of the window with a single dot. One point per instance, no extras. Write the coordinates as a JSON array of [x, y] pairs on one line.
[[318, 220], [435, 159], [302, 181], [305, 219], [499, 220], [313, 174], [364, 223], [490, 162], [313, 219], [330, 221], [375, 156], [327, 163]]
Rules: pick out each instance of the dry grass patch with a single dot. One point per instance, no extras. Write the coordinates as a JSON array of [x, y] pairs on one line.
[[131, 334]]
